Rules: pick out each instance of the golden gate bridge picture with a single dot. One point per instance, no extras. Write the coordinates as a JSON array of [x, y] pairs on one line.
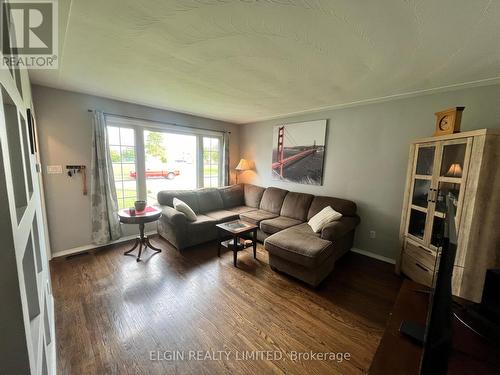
[[299, 151]]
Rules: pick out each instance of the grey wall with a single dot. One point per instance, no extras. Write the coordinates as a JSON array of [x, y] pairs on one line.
[[64, 131], [367, 152]]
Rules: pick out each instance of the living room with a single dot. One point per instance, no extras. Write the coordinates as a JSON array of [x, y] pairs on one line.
[[250, 186]]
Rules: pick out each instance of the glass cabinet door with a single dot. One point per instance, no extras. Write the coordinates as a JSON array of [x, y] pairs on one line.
[[416, 225], [453, 165], [439, 173], [425, 160], [446, 189], [452, 160], [420, 190]]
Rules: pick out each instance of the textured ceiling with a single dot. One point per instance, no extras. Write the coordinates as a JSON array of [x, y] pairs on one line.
[[249, 60]]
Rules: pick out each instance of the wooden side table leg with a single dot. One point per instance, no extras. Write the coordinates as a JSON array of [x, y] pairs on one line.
[[137, 241], [148, 244], [254, 243], [140, 251], [235, 250], [141, 231], [218, 242]]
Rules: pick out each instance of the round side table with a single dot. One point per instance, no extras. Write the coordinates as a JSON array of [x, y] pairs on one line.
[[149, 215]]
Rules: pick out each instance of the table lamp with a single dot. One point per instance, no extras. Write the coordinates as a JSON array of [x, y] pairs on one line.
[[455, 170], [243, 165]]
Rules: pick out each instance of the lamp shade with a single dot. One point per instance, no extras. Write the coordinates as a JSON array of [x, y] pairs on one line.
[[243, 165], [455, 170]]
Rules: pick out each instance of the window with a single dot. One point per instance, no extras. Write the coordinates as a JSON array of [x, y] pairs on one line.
[[170, 161], [149, 157], [122, 151], [211, 162]]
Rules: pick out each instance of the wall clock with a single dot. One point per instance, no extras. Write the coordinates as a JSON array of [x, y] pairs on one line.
[[448, 121]]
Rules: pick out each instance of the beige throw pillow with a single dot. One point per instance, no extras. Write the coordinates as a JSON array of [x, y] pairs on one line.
[[185, 209], [325, 216]]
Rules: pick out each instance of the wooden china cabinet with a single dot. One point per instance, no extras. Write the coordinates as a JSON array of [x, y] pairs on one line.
[[466, 168]]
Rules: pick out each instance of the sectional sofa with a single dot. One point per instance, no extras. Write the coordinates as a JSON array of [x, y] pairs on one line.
[[282, 218]]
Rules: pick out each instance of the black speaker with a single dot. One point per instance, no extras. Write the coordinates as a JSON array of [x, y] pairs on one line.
[[490, 301]]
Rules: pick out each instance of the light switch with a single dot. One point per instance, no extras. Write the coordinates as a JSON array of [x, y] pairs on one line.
[[54, 169]]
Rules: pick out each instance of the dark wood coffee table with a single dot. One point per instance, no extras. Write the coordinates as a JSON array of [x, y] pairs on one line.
[[236, 229], [149, 215]]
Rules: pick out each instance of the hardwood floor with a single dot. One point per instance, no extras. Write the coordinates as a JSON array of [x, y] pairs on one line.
[[112, 312]]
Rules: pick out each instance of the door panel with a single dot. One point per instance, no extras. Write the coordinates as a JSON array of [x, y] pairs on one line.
[[22, 201]]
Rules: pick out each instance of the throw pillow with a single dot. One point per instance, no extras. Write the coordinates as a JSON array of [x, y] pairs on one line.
[[325, 216], [185, 209]]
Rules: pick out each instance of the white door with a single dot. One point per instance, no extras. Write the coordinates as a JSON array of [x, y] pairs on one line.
[[31, 327]]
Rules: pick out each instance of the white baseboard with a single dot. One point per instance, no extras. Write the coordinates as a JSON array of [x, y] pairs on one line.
[[81, 249], [373, 255]]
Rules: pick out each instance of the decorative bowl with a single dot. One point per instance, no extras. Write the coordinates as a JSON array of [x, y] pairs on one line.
[[140, 205]]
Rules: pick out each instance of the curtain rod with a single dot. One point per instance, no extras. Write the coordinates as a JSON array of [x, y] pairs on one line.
[[162, 122]]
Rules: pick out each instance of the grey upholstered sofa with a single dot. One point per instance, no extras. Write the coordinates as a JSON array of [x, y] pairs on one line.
[[282, 219]]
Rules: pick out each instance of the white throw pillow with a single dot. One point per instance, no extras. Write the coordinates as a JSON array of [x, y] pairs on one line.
[[185, 209], [325, 216]]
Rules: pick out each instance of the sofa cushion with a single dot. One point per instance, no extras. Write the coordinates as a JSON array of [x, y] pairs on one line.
[[184, 208], [308, 251], [166, 197], [223, 215], [345, 207], [256, 216], [203, 227], [232, 196], [271, 226], [253, 195], [305, 230], [209, 199], [241, 209], [322, 218], [272, 200], [296, 205]]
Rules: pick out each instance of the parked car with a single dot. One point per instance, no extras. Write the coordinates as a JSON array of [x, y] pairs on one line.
[[168, 174]]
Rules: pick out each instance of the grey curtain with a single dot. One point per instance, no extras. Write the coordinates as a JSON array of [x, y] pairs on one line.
[[104, 204], [225, 159]]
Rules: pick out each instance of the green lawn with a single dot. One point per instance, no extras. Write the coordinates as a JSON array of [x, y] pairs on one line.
[[210, 170], [130, 195], [126, 203]]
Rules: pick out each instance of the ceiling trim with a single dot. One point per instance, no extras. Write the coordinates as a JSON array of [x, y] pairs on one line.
[[410, 94], [381, 99]]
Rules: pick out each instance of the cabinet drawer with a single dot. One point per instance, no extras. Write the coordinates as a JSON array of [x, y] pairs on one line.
[[416, 271], [425, 256]]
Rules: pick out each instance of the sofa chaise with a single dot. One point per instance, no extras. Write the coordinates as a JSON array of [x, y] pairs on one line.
[[282, 218]]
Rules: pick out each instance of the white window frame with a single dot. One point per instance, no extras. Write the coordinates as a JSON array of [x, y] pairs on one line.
[[221, 150], [121, 162], [139, 126]]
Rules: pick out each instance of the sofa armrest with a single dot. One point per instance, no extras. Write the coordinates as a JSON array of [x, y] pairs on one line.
[[173, 216], [339, 228]]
